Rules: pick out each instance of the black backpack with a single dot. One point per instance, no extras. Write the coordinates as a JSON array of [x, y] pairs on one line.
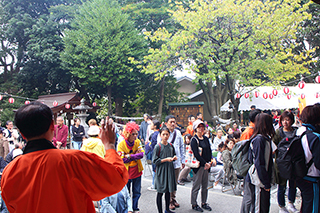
[[291, 159]]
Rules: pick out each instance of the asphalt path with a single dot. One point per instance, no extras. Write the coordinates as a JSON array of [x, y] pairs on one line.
[[220, 202]]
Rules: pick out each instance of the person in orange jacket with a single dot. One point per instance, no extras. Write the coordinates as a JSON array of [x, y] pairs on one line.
[[46, 179], [248, 132], [190, 127]]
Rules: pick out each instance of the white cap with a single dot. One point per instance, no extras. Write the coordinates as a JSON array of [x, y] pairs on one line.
[[93, 130], [197, 123]]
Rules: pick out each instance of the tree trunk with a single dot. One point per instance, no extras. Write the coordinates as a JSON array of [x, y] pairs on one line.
[[210, 103], [119, 106], [161, 97], [109, 91], [231, 89]]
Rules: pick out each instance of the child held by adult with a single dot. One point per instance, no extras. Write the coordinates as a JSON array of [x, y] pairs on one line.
[[163, 157]]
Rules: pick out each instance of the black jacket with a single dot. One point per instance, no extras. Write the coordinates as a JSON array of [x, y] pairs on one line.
[[77, 133]]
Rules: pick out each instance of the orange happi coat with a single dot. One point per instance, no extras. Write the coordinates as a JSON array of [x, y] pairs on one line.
[[46, 179]]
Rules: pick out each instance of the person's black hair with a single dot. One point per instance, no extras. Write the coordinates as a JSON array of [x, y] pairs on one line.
[[221, 145], [236, 134], [199, 113], [157, 124], [168, 117], [164, 129], [253, 114], [7, 123], [1, 132], [190, 116], [33, 119], [228, 140], [242, 129], [253, 106], [278, 111], [263, 125], [230, 136], [287, 114], [75, 120], [187, 136], [150, 117], [121, 128]]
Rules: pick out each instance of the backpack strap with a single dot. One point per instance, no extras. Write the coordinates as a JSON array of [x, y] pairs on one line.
[[303, 134], [174, 136], [196, 139], [282, 135], [267, 160], [160, 149]]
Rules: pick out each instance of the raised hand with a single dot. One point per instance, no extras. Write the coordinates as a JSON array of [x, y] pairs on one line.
[[107, 134]]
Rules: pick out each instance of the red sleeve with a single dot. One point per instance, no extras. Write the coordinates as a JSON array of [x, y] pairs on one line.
[[64, 136]]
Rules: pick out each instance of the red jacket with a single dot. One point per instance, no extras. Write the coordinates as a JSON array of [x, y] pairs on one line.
[[60, 134]]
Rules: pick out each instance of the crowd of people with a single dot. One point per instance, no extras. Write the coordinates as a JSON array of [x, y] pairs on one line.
[[164, 146]]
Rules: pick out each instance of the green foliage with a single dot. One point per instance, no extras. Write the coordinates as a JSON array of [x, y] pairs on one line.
[[227, 41], [150, 15], [43, 60], [308, 37], [235, 38], [147, 100], [7, 109], [31, 39], [100, 46]]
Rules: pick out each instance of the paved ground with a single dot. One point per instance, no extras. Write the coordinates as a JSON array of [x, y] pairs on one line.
[[221, 202]]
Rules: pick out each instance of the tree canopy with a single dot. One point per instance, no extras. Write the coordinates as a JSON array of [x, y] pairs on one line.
[[224, 42], [100, 46]]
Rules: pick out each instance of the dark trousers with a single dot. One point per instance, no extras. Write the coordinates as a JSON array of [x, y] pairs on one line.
[[136, 191], [255, 199], [309, 188], [292, 193]]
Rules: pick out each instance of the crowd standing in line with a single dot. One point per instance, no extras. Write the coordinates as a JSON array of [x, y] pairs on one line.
[[165, 148]]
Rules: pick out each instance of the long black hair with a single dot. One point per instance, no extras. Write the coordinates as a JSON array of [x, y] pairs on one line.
[[263, 126]]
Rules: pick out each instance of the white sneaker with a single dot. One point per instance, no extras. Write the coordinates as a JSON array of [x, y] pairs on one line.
[[292, 208], [283, 210], [151, 188]]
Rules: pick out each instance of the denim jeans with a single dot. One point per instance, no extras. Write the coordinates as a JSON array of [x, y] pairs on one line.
[[291, 195], [76, 144], [136, 191], [153, 175]]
